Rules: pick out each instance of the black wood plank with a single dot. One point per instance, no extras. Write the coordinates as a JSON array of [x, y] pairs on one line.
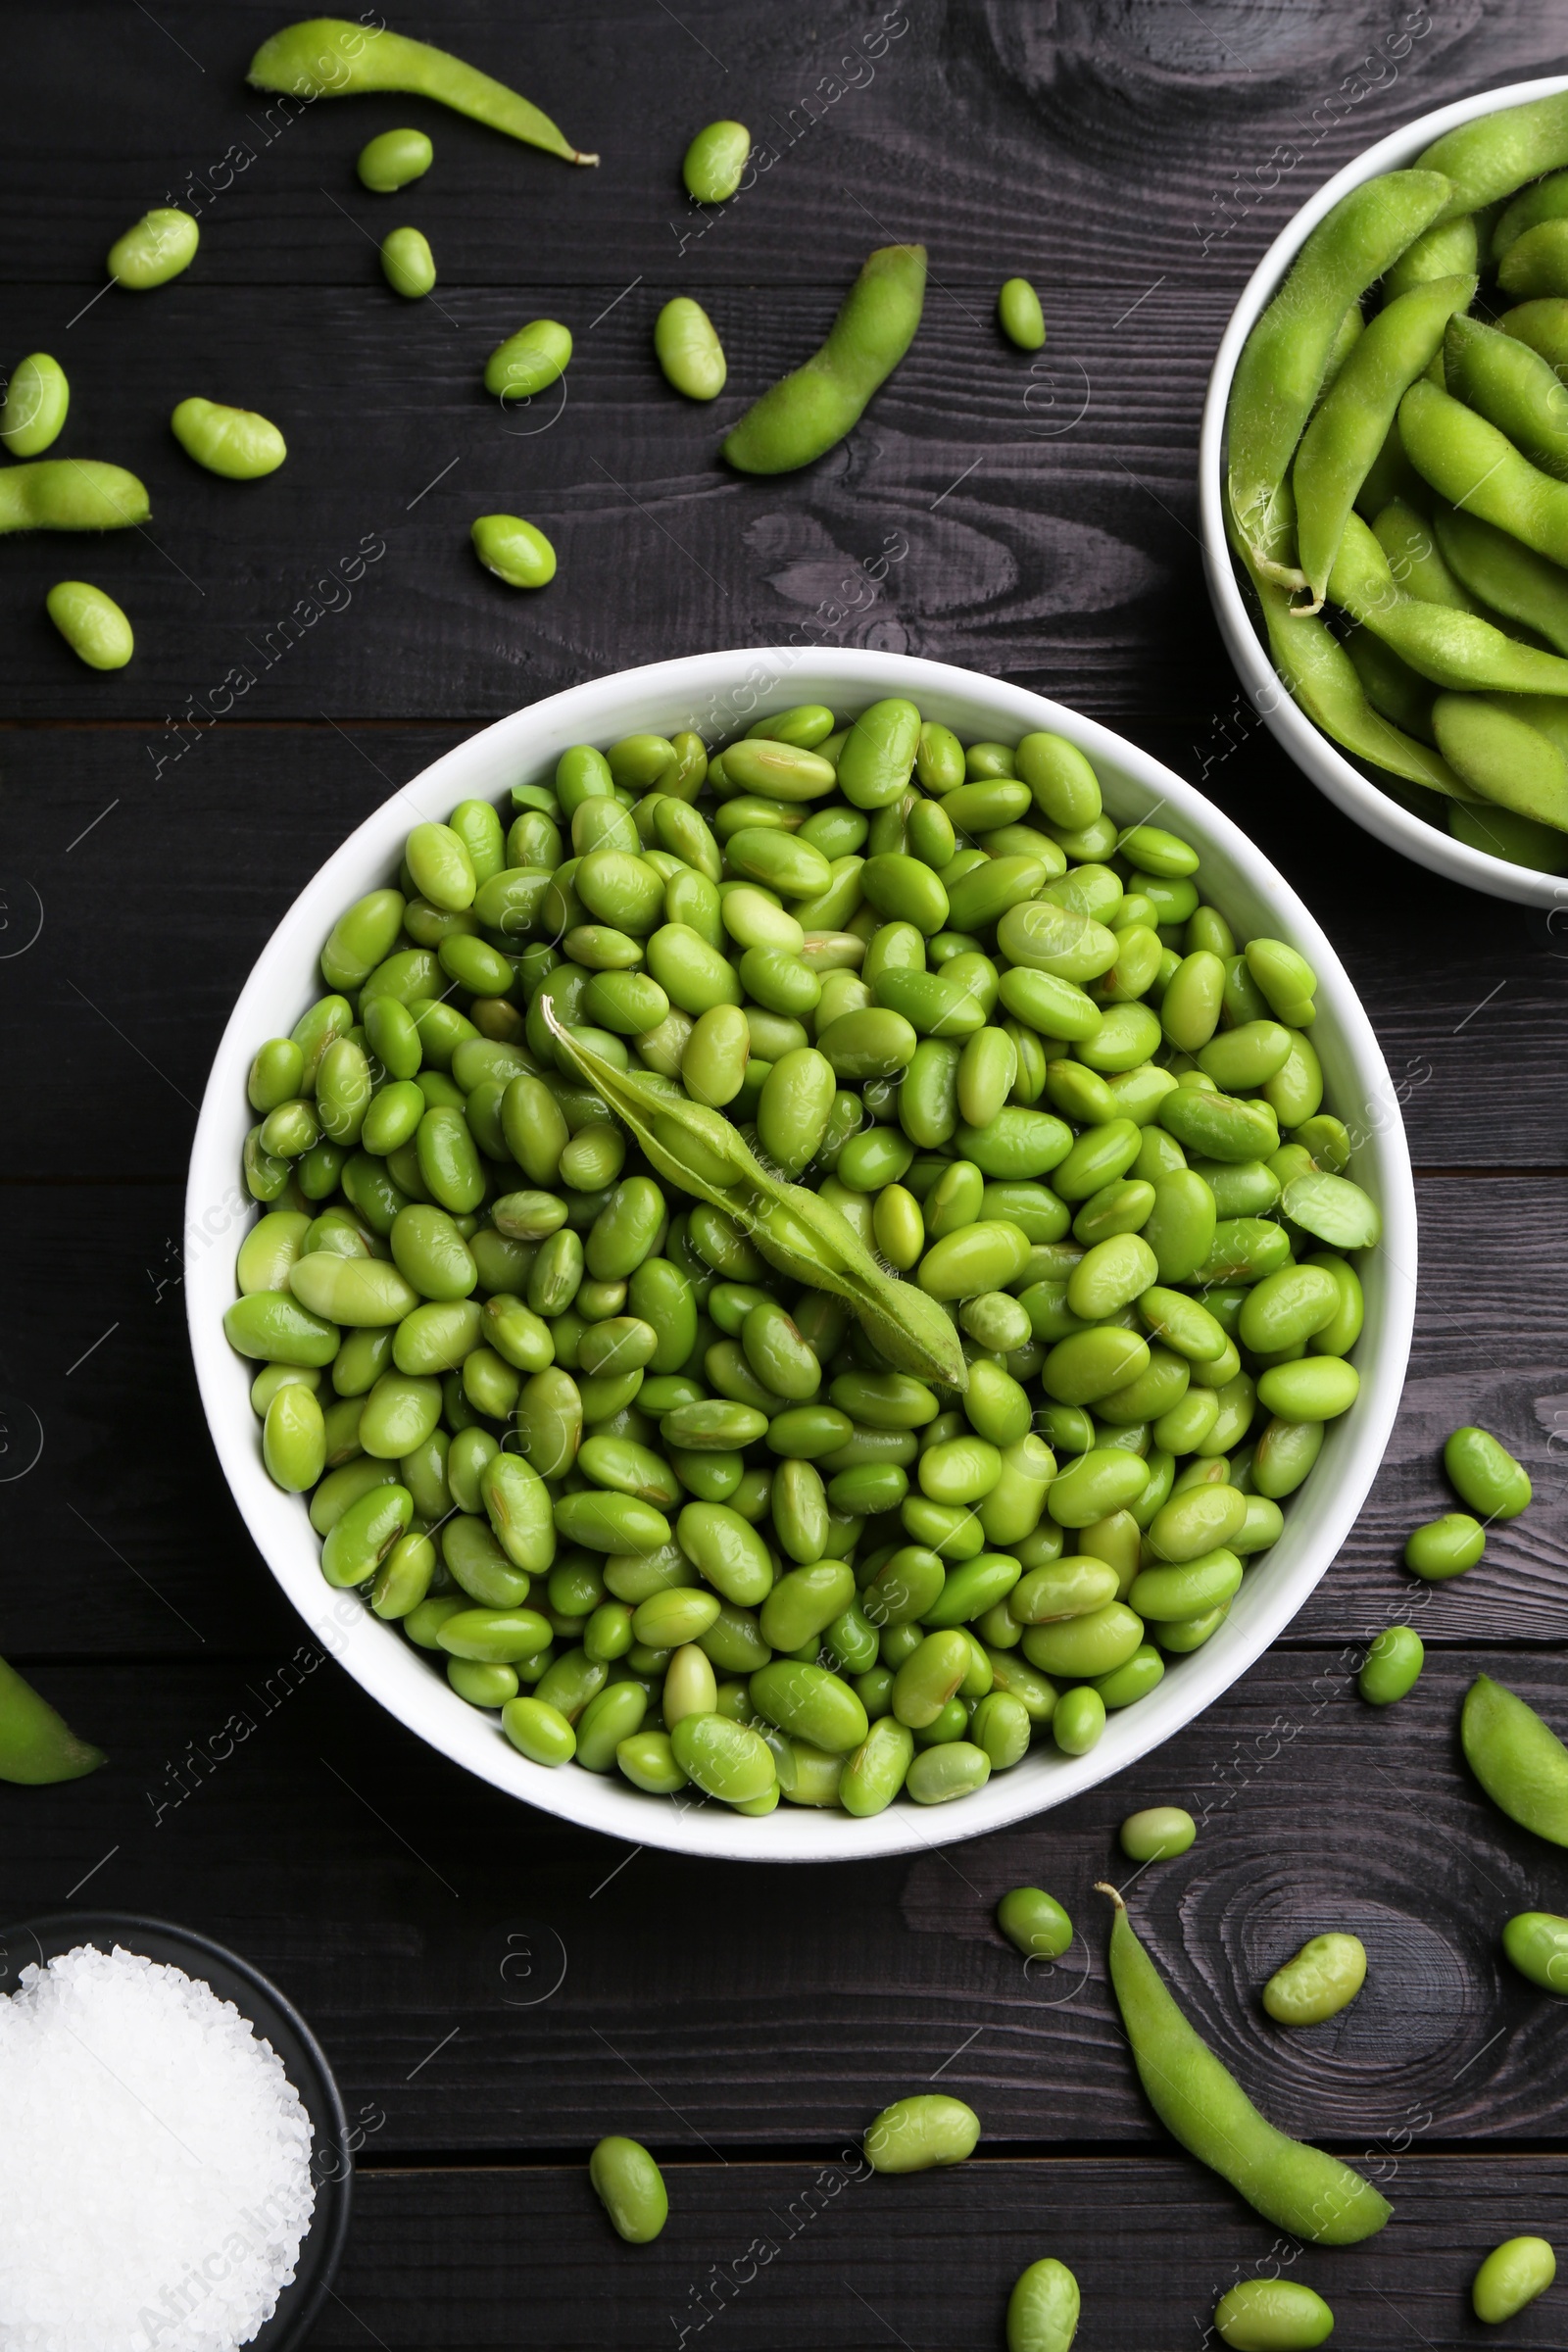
[[1100, 144], [1027, 516], [782, 2255], [143, 901], [491, 1978]]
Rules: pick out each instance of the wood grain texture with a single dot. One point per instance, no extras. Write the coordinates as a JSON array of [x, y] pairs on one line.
[[774, 2256], [492, 1979]]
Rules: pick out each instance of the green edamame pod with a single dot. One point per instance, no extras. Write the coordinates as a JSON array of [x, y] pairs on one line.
[[1519, 1761], [1293, 2184], [332, 56], [1287, 353], [70, 494], [807, 412], [1339, 446]]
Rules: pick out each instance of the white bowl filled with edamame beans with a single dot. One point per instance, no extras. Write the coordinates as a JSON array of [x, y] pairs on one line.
[[1424, 697], [797, 1254]]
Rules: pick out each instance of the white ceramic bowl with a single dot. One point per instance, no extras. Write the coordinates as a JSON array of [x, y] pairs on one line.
[[1430, 845], [719, 694]]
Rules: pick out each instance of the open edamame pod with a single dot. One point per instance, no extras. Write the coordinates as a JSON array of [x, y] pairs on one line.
[[1296, 2186], [331, 57], [804, 415]]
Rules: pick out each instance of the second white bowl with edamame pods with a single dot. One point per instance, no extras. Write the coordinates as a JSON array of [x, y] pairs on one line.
[[720, 697], [1481, 700]]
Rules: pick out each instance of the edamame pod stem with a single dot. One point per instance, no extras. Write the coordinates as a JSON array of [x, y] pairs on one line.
[[805, 414], [1296, 2186], [1497, 153], [1472, 465], [802, 1236], [1347, 431], [1513, 580], [1285, 357], [36, 1745], [330, 57], [1514, 387], [70, 494], [1320, 675], [1456, 649]]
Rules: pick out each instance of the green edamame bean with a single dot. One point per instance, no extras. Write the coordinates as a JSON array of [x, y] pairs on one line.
[[1323, 1978], [808, 1703], [392, 160], [1078, 1648], [1020, 314], [874, 1773], [1035, 1922], [294, 1439], [1272, 2315], [917, 2133], [359, 1541], [38, 398], [714, 163], [1001, 1729], [1537, 1943], [1485, 1475], [1104, 1479], [1445, 1547], [495, 1636], [91, 623], [631, 2186], [1512, 2275], [688, 350], [233, 442], [724, 1759], [407, 263], [1043, 2309], [154, 249], [1157, 1832], [1316, 1388], [808, 412], [1079, 1720], [538, 1731], [1391, 1666], [939, 1775], [514, 550]]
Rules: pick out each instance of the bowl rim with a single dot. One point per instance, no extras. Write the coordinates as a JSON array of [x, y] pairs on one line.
[[743, 684], [1319, 759], [268, 2010]]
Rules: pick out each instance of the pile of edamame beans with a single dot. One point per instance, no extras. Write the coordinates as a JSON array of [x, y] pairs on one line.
[[1411, 469], [804, 1272]]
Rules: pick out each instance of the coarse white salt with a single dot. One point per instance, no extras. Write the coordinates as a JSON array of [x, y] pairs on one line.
[[156, 2162]]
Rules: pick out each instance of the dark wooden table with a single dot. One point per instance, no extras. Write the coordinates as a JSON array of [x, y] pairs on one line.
[[495, 1989]]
